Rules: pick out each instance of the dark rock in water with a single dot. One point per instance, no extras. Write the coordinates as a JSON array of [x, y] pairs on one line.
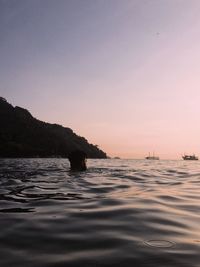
[[77, 160], [21, 135]]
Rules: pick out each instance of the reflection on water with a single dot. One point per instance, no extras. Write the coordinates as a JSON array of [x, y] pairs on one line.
[[117, 213]]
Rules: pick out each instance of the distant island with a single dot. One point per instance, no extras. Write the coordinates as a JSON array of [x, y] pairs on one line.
[[22, 135]]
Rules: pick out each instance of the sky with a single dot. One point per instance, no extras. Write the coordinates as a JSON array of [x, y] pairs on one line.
[[125, 74]]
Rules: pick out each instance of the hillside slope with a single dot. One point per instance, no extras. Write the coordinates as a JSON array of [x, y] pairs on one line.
[[21, 135]]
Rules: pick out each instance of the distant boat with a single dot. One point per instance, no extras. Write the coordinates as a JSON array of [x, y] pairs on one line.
[[152, 157], [190, 157]]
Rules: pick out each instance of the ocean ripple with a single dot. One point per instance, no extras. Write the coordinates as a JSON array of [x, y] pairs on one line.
[[117, 213]]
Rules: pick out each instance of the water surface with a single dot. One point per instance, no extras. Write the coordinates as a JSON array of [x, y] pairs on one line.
[[117, 213]]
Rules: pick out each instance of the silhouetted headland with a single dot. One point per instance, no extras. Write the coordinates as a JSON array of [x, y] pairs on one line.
[[22, 135]]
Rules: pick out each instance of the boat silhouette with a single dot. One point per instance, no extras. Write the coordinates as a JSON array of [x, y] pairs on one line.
[[152, 157], [190, 157]]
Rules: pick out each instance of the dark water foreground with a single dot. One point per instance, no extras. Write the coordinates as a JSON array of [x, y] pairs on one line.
[[118, 213]]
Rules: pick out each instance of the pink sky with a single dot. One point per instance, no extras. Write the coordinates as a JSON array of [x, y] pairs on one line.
[[123, 74]]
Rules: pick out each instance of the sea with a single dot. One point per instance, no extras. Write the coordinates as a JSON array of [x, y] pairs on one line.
[[117, 213]]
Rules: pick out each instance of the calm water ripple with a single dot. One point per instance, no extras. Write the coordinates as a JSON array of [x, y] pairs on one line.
[[117, 213]]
